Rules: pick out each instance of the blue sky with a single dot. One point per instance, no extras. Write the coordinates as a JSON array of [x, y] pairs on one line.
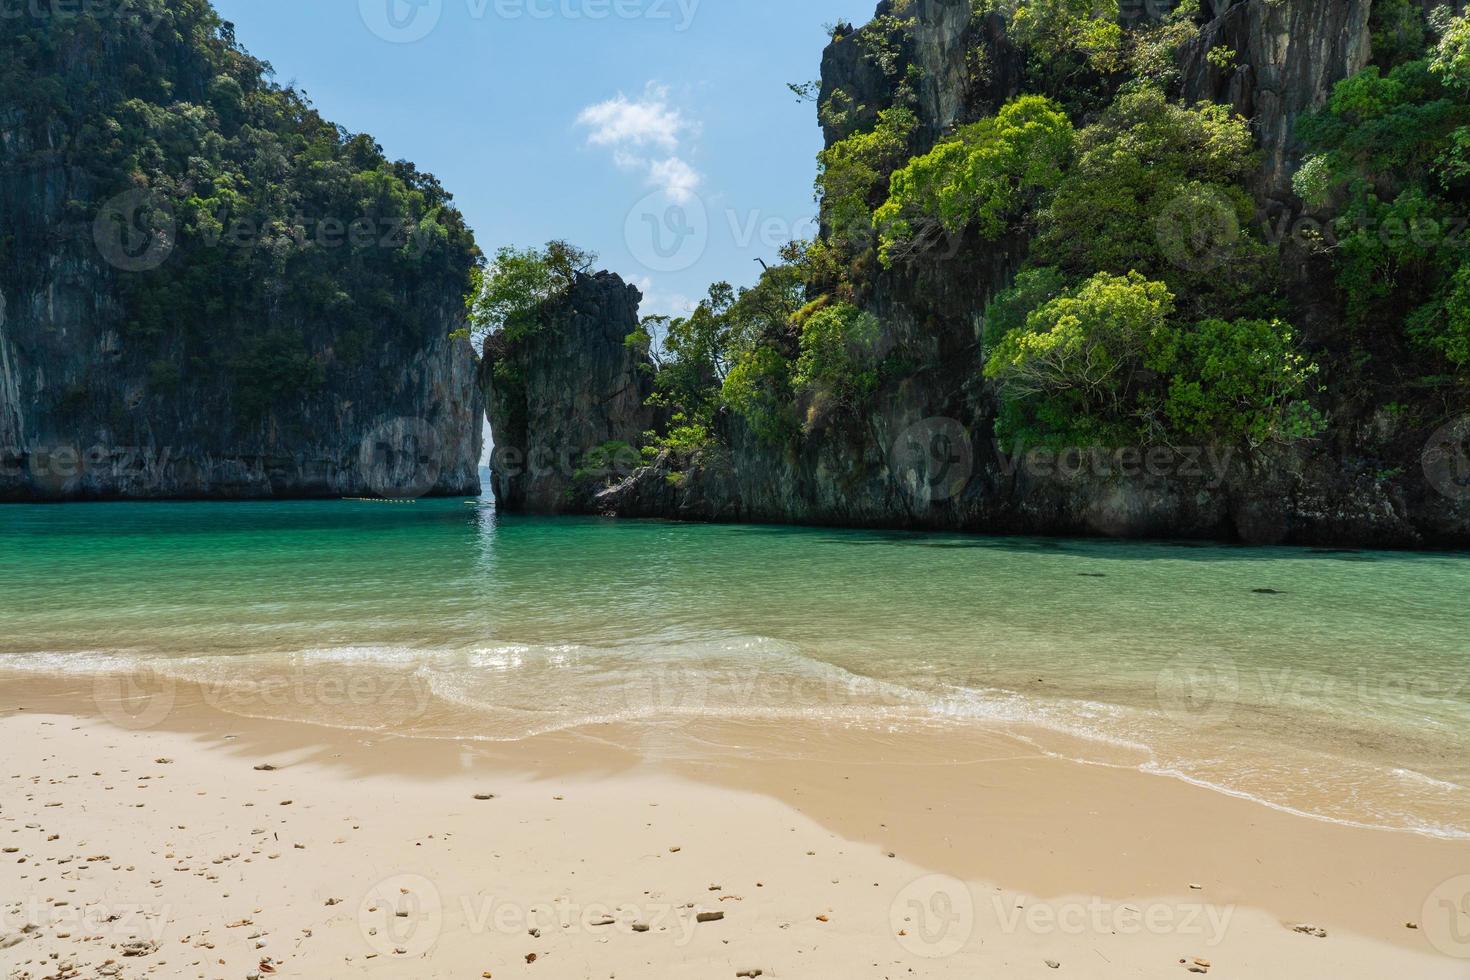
[[658, 133]]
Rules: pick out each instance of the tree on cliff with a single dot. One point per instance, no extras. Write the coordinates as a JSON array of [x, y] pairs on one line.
[[512, 294]]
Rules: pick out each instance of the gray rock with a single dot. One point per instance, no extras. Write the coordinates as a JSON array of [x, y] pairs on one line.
[[560, 400]]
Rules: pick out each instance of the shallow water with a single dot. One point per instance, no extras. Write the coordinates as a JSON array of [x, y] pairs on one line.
[[1335, 683]]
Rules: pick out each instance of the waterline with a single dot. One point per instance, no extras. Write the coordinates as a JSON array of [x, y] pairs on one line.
[[1326, 683]]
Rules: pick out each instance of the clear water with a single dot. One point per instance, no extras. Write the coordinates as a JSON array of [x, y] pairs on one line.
[[1341, 689]]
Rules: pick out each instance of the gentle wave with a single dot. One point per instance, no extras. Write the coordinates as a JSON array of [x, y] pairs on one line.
[[518, 691]]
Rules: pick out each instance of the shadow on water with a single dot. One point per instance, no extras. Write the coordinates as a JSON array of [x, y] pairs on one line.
[[1098, 548], [131, 520]]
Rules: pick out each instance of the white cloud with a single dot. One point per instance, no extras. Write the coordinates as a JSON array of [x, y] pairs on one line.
[[631, 127], [623, 122], [675, 178]]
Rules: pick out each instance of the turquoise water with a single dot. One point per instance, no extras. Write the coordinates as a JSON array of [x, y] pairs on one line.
[[1334, 683]]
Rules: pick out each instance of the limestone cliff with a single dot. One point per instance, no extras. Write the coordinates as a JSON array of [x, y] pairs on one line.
[[925, 456], [1287, 57], [206, 290], [568, 402]]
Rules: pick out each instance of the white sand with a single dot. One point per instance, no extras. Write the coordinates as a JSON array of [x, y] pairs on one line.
[[224, 871]]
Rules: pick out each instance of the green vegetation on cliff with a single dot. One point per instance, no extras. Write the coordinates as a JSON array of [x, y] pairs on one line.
[[1111, 363], [512, 294], [1150, 305], [295, 252], [1121, 326], [984, 178], [1078, 255], [1394, 160]]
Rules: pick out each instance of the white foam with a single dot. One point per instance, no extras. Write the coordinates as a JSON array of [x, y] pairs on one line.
[[525, 690], [1405, 824]]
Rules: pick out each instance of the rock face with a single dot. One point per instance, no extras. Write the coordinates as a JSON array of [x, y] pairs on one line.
[[568, 403], [111, 391], [926, 457], [1288, 56], [78, 420]]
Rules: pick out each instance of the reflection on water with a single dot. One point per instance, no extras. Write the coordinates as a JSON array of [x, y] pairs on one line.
[[1256, 671]]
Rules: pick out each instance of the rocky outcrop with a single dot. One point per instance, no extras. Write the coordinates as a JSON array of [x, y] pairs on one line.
[[407, 430], [941, 473], [1286, 57], [924, 455], [129, 367], [568, 403], [965, 68], [81, 417]]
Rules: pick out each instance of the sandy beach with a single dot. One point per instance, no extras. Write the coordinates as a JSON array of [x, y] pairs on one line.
[[206, 845]]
